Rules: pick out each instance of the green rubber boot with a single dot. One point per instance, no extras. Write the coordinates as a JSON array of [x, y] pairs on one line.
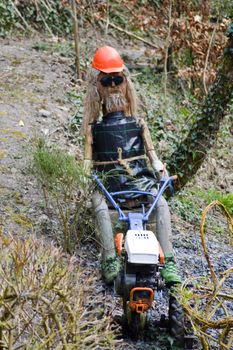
[[110, 268], [169, 272]]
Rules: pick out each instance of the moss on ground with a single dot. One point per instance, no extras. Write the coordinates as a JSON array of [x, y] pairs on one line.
[[22, 220], [16, 133]]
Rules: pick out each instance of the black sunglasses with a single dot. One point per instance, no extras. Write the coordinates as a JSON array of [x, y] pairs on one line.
[[107, 80]]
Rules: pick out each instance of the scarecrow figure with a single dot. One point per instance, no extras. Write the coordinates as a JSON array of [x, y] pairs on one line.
[[119, 144]]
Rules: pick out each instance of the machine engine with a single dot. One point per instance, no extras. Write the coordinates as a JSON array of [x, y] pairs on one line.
[[143, 262], [142, 247]]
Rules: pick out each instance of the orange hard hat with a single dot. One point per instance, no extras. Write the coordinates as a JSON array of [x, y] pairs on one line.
[[107, 60]]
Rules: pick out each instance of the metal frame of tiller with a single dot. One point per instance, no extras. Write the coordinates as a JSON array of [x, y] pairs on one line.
[[136, 221]]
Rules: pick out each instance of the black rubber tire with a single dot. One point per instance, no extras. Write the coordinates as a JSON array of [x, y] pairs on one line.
[[176, 321]]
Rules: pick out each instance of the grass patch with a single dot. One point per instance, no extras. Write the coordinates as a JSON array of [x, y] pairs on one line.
[[185, 205], [190, 203], [13, 91], [66, 190], [225, 199], [64, 49], [16, 133], [22, 220], [2, 154]]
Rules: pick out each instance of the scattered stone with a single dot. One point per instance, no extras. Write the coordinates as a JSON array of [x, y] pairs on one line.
[[63, 108], [21, 123], [44, 113], [14, 170], [43, 219], [45, 131]]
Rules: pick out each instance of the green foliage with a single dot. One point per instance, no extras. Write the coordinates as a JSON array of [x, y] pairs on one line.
[[169, 118], [190, 203], [42, 46], [225, 199], [222, 8], [66, 190], [50, 16], [156, 3], [185, 58], [7, 17], [77, 100], [191, 152], [64, 49], [42, 299], [186, 206], [55, 168]]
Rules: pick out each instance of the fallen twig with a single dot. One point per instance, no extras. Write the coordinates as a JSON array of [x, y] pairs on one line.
[[19, 14], [130, 34], [76, 39], [203, 219], [207, 56], [207, 302]]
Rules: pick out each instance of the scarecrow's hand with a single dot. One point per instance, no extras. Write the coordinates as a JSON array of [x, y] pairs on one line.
[[160, 168]]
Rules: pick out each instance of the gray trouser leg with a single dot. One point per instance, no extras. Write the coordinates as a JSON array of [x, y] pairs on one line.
[[161, 215], [104, 225]]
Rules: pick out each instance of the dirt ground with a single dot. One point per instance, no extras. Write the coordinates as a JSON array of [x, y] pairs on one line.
[[33, 102]]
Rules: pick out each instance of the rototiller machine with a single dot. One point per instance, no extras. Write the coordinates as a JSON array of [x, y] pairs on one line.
[[143, 260]]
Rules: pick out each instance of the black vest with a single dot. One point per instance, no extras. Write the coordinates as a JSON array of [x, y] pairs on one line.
[[114, 131]]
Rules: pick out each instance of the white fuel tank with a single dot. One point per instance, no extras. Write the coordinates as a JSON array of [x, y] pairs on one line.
[[142, 247]]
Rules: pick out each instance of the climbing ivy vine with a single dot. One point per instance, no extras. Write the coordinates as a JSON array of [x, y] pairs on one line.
[[190, 154]]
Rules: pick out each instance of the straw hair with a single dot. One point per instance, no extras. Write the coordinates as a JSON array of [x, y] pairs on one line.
[[93, 103]]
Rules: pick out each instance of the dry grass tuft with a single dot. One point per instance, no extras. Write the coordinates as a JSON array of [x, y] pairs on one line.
[[42, 299], [208, 304]]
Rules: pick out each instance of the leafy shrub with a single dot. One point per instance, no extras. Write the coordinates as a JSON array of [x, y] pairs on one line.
[[66, 190], [169, 118], [185, 206], [189, 203], [7, 17], [50, 16]]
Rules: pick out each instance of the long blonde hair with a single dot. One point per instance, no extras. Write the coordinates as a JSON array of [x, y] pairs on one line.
[[93, 103]]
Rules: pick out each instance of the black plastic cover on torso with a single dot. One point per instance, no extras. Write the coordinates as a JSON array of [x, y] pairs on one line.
[[118, 131]]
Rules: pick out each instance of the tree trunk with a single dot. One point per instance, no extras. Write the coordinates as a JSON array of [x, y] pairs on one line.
[[190, 154]]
